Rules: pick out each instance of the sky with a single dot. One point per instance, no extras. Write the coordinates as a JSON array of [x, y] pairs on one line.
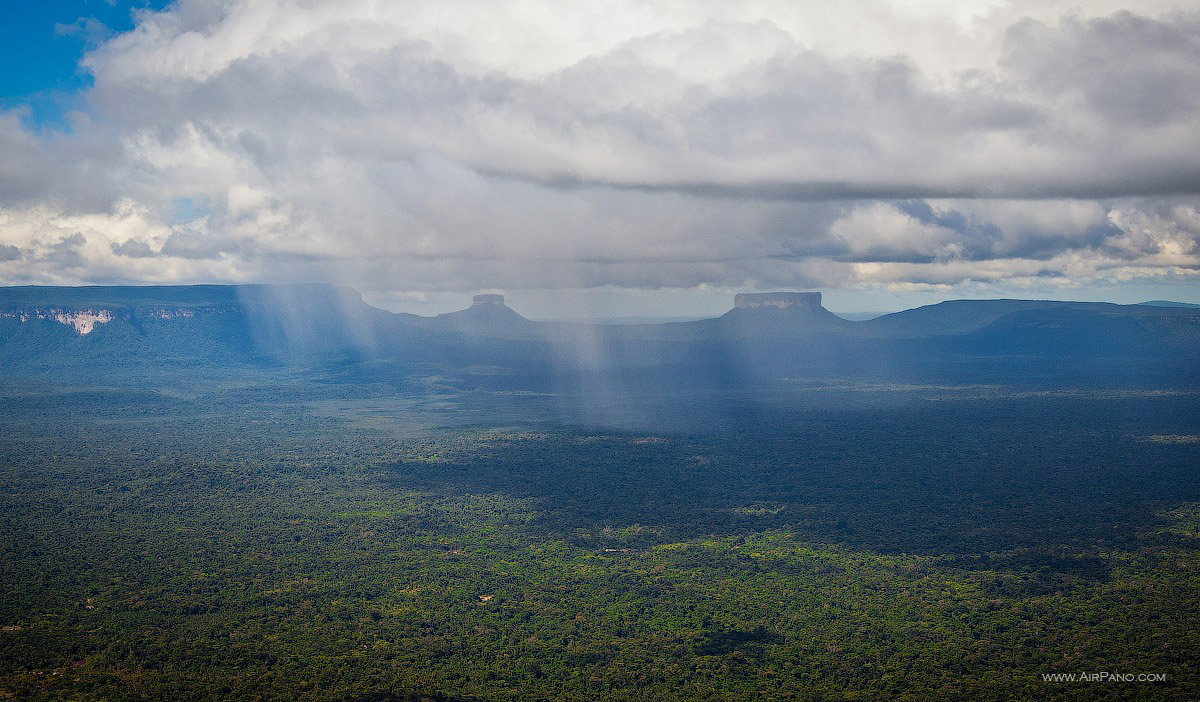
[[43, 43], [631, 158]]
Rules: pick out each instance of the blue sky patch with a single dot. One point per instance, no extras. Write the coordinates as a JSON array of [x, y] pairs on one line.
[[41, 44]]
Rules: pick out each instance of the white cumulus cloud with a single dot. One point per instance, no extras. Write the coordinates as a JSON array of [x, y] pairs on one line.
[[415, 148]]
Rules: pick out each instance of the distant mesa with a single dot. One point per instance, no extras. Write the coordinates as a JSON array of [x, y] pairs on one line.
[[778, 300], [487, 316]]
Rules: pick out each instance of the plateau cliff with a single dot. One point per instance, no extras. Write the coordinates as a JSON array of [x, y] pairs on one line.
[[810, 301]]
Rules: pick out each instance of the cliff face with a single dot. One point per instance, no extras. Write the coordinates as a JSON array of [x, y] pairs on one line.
[[782, 315], [121, 327], [85, 319], [779, 300]]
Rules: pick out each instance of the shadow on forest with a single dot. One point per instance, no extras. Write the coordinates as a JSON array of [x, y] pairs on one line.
[[1042, 478]]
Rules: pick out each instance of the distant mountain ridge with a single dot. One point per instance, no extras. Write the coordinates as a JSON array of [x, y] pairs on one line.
[[57, 329], [1168, 303]]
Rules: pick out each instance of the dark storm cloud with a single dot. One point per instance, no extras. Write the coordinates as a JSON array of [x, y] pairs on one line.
[[133, 249], [67, 253], [1128, 70], [1048, 124]]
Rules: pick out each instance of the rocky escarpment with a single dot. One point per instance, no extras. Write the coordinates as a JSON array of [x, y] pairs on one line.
[[778, 300], [85, 319], [782, 315]]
